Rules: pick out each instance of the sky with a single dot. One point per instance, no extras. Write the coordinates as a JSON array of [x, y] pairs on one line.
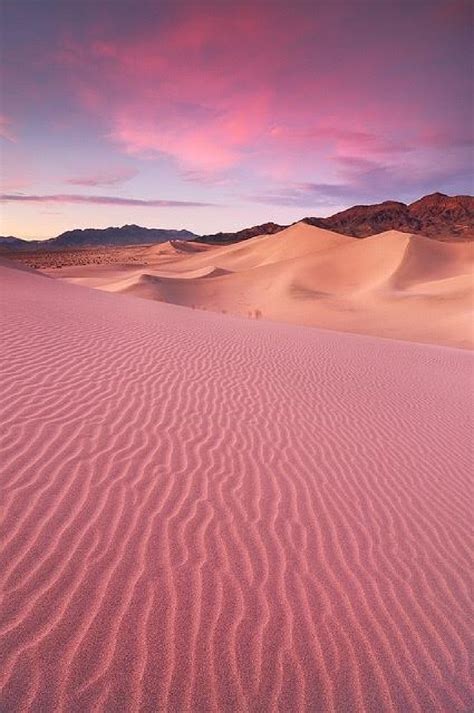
[[217, 115]]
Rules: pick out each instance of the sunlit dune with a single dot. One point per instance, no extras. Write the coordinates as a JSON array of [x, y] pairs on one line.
[[209, 513], [393, 284]]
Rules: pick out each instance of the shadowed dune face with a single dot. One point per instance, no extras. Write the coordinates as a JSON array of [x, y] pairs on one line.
[[428, 261], [211, 513], [393, 284]]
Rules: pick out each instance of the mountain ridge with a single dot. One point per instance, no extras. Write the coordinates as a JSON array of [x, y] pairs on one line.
[[99, 237], [437, 216]]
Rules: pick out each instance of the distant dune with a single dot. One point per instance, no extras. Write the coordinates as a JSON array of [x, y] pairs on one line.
[[393, 285], [209, 513]]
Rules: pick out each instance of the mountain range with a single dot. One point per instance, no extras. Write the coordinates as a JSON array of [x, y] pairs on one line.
[[97, 237], [437, 216], [434, 216]]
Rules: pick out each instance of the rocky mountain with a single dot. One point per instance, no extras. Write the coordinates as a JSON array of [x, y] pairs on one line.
[[245, 234], [436, 216], [97, 237]]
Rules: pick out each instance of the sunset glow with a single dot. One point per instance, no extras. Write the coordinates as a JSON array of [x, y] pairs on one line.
[[213, 116]]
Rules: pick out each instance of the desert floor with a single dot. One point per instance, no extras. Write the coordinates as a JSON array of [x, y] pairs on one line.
[[205, 512]]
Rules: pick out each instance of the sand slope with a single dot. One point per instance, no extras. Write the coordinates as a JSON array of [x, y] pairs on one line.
[[207, 513], [393, 284]]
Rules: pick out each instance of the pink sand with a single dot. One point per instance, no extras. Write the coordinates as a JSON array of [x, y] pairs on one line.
[[207, 513]]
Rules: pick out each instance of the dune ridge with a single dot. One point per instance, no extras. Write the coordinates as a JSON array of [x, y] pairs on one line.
[[392, 284], [211, 513]]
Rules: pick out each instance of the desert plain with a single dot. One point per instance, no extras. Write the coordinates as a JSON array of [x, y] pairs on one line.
[[238, 478]]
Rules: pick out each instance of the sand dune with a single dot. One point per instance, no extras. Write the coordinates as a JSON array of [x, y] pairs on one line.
[[393, 284], [208, 513]]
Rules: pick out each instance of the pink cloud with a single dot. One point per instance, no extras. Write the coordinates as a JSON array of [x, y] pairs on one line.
[[97, 200], [213, 141], [338, 140], [270, 91], [186, 91], [436, 139]]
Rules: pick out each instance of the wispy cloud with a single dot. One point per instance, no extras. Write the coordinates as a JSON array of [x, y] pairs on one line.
[[99, 200], [103, 178], [340, 139], [306, 194], [364, 180]]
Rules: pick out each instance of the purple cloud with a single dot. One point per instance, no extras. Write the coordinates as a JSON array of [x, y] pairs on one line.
[[103, 178], [306, 194], [366, 181], [99, 200]]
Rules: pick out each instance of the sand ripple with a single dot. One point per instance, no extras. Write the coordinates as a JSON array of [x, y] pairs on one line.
[[205, 513]]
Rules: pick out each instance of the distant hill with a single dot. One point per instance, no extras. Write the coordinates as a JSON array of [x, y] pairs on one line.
[[97, 237], [245, 234], [436, 216], [12, 243]]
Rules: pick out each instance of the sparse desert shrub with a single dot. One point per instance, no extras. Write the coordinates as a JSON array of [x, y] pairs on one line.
[[258, 314]]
